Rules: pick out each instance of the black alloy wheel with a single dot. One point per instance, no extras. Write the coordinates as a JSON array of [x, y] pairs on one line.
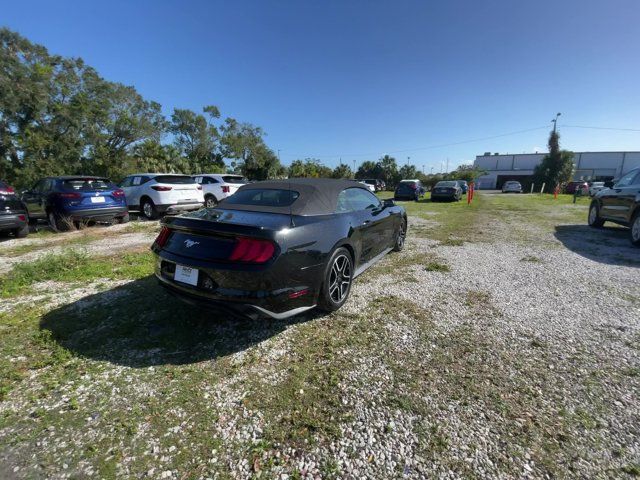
[[338, 278], [401, 238]]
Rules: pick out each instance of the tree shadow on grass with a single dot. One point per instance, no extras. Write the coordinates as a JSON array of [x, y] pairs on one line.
[[139, 325], [608, 245]]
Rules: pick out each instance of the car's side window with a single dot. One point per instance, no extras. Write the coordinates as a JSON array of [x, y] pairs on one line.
[[39, 187], [126, 182], [628, 179], [212, 180], [343, 203], [135, 181], [361, 199]]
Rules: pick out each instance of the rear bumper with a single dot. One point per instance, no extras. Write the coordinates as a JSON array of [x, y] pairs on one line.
[[97, 214], [253, 299], [181, 207], [12, 221], [443, 195]]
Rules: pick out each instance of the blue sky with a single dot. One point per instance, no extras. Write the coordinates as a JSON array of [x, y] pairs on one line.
[[358, 79]]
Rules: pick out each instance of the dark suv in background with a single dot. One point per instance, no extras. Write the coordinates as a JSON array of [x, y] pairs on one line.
[[619, 204], [13, 213], [68, 201]]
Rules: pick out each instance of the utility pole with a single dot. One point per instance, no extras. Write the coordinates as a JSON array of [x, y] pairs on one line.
[[423, 169], [278, 154], [431, 171], [447, 165], [555, 121], [408, 158], [354, 167]]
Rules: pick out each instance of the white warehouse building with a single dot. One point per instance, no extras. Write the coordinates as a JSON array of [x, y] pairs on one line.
[[600, 166]]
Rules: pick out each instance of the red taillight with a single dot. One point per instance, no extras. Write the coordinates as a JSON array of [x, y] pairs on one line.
[[118, 193], [225, 189], [72, 195], [162, 237], [7, 191], [199, 187], [252, 250], [160, 188], [299, 293], [22, 218]]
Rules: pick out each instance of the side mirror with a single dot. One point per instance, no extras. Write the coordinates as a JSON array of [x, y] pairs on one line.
[[388, 202]]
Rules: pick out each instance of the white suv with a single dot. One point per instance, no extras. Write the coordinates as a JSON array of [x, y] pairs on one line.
[[156, 193], [217, 186]]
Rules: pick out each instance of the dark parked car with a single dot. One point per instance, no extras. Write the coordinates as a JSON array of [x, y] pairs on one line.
[[619, 204], [463, 185], [571, 187], [13, 213], [446, 190], [67, 201], [278, 248], [409, 190]]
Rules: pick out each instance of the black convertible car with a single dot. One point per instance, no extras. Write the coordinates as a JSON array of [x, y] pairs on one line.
[[278, 248], [619, 204]]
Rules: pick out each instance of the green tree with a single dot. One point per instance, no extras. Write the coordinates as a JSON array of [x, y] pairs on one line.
[[408, 172], [556, 167], [244, 144], [342, 171], [197, 137], [367, 169]]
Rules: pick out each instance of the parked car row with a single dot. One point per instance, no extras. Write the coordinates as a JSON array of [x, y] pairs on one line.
[[66, 202]]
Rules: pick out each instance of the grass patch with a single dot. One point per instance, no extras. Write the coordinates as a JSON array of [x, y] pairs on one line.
[[451, 242], [74, 266], [435, 266]]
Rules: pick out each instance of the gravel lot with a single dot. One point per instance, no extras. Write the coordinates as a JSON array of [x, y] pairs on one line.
[[509, 351]]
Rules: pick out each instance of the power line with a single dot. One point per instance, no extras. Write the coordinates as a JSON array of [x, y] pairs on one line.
[[602, 128], [462, 142], [430, 147]]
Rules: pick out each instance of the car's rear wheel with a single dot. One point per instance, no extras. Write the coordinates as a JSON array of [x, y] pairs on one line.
[[123, 219], [21, 232], [400, 239], [59, 223], [337, 281], [635, 230], [148, 209], [594, 216], [210, 201]]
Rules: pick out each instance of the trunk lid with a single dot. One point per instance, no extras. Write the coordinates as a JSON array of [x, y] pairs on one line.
[[211, 234]]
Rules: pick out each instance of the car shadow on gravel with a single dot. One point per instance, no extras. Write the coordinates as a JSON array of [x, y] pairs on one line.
[[608, 245], [140, 325]]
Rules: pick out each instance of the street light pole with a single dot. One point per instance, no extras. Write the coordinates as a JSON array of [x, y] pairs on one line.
[[555, 121]]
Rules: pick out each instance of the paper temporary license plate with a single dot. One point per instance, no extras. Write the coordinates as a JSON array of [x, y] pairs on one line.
[[186, 275], [97, 199]]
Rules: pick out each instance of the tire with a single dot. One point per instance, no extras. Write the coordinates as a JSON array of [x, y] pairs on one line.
[[124, 219], [148, 209], [337, 281], [59, 223], [398, 245], [210, 201], [21, 232], [594, 216], [635, 230]]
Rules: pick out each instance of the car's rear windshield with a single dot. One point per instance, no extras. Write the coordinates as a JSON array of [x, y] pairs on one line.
[[446, 184], [234, 179], [10, 202], [175, 179], [406, 186], [87, 184], [513, 183], [266, 197]]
